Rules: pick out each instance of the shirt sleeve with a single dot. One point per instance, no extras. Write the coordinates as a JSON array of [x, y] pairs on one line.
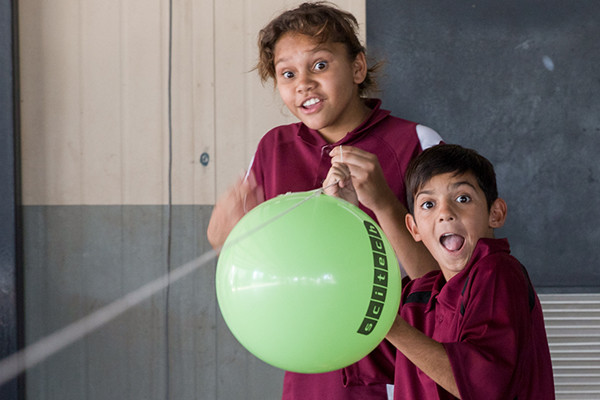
[[428, 137], [493, 327]]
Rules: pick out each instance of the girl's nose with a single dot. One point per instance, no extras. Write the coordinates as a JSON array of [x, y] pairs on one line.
[[305, 83]]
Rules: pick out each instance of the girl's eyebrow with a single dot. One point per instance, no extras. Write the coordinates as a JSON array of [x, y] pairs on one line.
[[316, 49], [279, 60]]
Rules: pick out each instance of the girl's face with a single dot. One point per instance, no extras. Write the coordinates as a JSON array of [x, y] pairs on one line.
[[319, 84]]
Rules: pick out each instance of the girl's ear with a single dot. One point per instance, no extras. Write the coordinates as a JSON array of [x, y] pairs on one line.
[[359, 68], [497, 213], [412, 227]]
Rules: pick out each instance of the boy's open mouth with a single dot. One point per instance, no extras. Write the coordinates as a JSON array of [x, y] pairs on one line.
[[452, 242]]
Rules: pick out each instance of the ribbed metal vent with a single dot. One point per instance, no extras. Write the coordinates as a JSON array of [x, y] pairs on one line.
[[573, 328]]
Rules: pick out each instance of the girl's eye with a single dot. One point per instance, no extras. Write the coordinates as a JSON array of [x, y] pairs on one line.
[[321, 65], [427, 205], [288, 74], [463, 199]]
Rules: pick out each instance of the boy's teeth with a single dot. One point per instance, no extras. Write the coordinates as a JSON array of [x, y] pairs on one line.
[[310, 102]]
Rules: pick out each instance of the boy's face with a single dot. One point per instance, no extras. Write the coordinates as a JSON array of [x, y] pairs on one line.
[[319, 84], [450, 216]]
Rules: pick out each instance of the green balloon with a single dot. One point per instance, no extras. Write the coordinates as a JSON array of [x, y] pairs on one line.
[[308, 283]]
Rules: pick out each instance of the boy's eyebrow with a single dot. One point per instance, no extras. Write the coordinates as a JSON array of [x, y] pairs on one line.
[[421, 192], [454, 185], [461, 183]]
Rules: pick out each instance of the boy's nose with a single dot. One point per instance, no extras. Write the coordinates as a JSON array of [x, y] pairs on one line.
[[445, 212]]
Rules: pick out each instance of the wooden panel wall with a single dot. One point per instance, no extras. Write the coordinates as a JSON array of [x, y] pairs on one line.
[[95, 95]]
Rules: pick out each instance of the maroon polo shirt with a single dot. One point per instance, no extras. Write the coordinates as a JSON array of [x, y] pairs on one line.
[[293, 158], [489, 319]]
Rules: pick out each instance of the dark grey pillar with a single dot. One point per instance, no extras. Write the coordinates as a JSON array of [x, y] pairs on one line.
[[10, 268]]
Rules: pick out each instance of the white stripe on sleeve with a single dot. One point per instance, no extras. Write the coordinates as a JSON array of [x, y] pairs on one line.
[[427, 136], [249, 167]]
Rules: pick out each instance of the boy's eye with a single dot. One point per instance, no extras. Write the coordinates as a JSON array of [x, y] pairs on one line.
[[427, 205], [321, 65], [463, 199], [287, 74]]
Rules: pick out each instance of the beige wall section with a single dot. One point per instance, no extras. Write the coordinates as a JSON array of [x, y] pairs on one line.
[[94, 89], [93, 84]]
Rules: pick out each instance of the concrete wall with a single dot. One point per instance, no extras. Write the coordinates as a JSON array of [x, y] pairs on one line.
[[100, 161]]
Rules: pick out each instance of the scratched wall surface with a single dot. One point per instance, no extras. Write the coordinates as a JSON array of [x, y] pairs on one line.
[[518, 81], [95, 175], [174, 345]]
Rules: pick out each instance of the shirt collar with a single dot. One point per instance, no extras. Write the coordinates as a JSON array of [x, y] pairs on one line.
[[377, 114], [454, 288]]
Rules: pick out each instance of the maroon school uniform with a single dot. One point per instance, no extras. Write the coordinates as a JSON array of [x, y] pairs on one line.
[[489, 319], [294, 158]]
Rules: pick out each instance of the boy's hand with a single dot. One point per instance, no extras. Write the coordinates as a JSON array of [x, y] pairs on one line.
[[371, 187], [244, 195], [339, 183]]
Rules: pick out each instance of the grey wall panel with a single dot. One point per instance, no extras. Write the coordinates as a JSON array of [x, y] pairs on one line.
[[78, 259], [192, 311], [518, 81], [174, 345]]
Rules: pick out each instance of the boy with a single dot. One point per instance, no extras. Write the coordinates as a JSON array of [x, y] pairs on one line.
[[315, 58], [474, 329]]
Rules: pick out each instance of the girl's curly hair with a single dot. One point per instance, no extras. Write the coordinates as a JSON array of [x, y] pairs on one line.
[[320, 20]]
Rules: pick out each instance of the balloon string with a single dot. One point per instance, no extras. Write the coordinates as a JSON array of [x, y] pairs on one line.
[[15, 364], [311, 194]]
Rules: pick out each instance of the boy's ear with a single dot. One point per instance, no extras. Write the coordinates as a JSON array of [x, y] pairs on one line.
[[360, 68], [497, 213], [412, 227]]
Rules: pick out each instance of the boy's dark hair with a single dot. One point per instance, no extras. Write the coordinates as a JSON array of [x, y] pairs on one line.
[[445, 158], [320, 20]]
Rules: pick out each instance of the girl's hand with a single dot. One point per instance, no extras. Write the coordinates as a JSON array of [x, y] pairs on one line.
[[339, 183], [240, 198], [367, 176]]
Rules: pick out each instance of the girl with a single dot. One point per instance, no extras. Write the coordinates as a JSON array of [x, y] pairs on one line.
[[319, 67]]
